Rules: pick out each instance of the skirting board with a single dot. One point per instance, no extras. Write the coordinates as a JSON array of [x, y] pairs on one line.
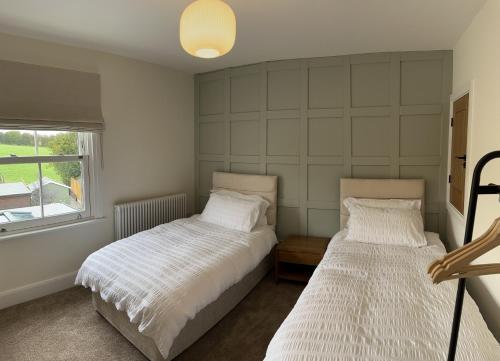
[[36, 290]]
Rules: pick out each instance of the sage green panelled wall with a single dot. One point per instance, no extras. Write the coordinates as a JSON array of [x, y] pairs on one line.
[[313, 121]]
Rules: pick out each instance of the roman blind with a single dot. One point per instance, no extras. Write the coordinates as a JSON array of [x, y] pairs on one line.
[[44, 98]]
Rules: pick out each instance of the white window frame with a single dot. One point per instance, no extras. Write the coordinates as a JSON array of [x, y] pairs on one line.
[[90, 150]]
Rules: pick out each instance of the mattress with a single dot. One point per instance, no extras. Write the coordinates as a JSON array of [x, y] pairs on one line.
[[163, 277], [196, 327], [375, 302]]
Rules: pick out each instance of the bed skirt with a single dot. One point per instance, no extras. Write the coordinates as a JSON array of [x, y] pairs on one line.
[[195, 328]]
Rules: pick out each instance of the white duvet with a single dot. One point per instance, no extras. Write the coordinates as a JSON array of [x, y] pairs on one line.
[[371, 302], [162, 277]]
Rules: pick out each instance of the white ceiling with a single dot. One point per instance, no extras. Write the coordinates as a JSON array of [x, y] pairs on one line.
[[267, 29]]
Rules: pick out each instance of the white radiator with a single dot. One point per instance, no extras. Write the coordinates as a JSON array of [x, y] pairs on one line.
[[134, 217]]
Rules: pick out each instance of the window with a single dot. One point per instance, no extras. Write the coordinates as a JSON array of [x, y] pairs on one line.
[[44, 178]]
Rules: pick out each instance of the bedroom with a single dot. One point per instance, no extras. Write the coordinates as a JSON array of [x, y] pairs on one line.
[[311, 92]]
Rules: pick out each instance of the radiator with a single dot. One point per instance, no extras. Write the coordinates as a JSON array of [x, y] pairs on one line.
[[133, 217]]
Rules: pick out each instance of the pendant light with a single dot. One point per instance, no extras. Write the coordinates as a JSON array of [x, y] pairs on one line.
[[207, 28]]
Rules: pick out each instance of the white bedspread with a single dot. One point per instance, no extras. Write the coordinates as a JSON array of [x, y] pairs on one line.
[[372, 302], [162, 277]]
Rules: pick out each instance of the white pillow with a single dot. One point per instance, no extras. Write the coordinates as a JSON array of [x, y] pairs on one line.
[[384, 203], [263, 203], [388, 226], [231, 212]]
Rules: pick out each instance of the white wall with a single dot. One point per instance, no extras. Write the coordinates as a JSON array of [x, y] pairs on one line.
[[477, 57], [148, 150]]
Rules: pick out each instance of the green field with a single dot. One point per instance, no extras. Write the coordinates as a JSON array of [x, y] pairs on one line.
[[26, 173]]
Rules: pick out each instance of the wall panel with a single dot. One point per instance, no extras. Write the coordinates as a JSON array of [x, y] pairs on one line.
[[288, 221], [283, 89], [288, 178], [211, 97], [212, 138], [314, 121], [323, 182], [370, 84], [418, 75], [322, 222], [420, 135], [325, 137], [371, 136], [245, 93], [283, 137], [326, 87], [245, 137]]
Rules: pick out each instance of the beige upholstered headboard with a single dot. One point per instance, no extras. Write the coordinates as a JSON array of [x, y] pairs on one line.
[[263, 185], [381, 189]]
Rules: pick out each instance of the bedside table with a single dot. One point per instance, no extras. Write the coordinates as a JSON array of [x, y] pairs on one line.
[[297, 256]]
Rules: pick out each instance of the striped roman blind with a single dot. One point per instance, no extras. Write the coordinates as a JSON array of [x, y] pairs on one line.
[[44, 98]]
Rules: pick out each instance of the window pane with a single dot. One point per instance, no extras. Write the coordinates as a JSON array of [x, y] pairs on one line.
[[15, 142], [62, 188], [41, 142], [57, 143], [17, 201]]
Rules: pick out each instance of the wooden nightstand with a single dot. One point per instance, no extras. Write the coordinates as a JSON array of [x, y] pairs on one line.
[[297, 257]]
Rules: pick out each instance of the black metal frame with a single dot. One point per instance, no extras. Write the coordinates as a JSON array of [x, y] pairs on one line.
[[476, 189]]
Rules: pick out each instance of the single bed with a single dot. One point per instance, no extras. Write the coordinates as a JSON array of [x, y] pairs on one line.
[[376, 302], [233, 263]]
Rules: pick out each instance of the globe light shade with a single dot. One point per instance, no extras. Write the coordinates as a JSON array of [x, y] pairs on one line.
[[207, 28]]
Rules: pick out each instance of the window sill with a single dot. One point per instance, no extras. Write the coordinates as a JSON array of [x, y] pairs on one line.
[[49, 228]]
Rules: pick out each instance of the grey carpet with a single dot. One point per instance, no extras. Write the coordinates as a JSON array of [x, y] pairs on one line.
[[64, 326]]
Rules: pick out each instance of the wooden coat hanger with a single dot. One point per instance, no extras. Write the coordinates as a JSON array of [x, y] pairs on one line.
[[456, 264]]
